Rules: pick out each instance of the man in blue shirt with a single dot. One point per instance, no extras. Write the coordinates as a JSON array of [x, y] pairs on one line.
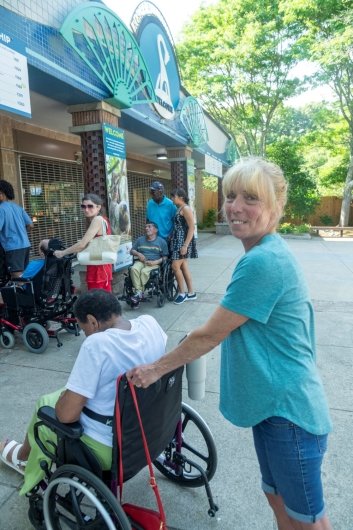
[[161, 210], [14, 223]]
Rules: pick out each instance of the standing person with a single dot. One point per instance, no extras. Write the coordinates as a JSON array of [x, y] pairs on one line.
[[269, 378], [161, 210], [150, 251], [97, 276], [112, 346], [14, 224], [183, 245]]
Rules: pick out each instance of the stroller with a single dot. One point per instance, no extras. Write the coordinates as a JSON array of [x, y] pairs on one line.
[[42, 295]]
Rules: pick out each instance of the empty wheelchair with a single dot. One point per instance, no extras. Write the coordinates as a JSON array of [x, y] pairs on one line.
[[161, 284], [78, 495]]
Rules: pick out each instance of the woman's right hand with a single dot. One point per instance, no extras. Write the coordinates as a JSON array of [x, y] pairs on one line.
[[183, 250], [59, 253], [143, 376]]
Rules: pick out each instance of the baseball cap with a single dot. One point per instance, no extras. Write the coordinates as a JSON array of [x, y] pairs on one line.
[[156, 186]]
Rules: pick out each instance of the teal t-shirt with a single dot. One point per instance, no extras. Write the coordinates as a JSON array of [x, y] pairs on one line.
[[268, 364]]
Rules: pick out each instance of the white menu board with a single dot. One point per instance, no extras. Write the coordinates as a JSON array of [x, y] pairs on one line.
[[14, 85]]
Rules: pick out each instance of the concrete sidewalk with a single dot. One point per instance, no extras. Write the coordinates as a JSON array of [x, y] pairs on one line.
[[328, 264]]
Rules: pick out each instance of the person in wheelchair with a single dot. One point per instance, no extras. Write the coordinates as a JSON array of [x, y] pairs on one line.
[[149, 250], [112, 346]]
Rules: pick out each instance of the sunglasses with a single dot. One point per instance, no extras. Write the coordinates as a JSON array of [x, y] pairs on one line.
[[85, 206]]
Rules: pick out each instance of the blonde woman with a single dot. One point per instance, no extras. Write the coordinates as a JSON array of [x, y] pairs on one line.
[[269, 378]]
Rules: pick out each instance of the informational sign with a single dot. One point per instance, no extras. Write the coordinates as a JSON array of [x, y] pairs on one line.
[[190, 168], [14, 85], [118, 195], [213, 166]]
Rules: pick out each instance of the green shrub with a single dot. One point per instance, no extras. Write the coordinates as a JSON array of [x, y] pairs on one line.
[[289, 228], [326, 220], [210, 218]]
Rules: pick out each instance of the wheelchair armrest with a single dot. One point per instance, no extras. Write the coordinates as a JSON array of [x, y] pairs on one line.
[[70, 430], [154, 273]]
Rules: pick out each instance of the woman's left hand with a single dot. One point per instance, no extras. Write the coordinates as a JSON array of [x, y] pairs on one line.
[[58, 253]]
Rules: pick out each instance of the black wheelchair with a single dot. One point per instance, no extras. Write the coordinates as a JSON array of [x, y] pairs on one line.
[[43, 294], [79, 495], [161, 283]]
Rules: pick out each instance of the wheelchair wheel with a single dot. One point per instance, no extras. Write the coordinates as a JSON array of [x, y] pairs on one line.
[[35, 337], [76, 499], [7, 340], [197, 445], [170, 285]]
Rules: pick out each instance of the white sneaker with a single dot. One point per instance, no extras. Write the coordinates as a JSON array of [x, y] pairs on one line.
[[192, 296]]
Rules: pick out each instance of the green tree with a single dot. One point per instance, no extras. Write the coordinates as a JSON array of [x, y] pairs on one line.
[[302, 191], [327, 30], [325, 148], [237, 56], [321, 137], [209, 182]]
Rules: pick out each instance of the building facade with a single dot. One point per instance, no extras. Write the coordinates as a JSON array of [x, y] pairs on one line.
[[88, 104]]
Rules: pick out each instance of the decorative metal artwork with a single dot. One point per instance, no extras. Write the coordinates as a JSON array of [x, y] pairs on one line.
[[193, 119], [232, 151], [109, 49]]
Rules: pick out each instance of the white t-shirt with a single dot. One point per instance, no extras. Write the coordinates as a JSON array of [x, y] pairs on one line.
[[102, 358]]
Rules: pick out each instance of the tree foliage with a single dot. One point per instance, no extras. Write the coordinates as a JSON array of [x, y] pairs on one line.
[[321, 136], [302, 191], [236, 56], [327, 29]]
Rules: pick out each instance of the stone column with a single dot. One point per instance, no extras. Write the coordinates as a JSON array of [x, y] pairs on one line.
[[178, 157], [87, 120]]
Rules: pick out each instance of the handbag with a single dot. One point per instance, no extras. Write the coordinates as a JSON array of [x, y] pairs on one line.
[[141, 518], [101, 250]]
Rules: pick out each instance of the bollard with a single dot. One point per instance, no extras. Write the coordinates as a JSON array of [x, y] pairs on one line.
[[196, 376]]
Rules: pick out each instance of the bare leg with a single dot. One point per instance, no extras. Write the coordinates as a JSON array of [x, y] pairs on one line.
[[284, 522], [322, 524], [187, 275], [176, 266], [282, 518]]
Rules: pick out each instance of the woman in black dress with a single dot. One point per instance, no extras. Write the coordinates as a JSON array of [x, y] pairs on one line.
[[183, 245]]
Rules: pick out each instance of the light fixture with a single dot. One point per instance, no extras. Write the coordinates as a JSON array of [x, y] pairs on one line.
[[162, 155]]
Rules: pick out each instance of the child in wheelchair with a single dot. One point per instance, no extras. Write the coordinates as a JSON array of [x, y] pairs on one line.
[[82, 490], [111, 347], [149, 251]]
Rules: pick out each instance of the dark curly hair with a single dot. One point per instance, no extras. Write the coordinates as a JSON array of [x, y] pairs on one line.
[[99, 303], [7, 189], [180, 192]]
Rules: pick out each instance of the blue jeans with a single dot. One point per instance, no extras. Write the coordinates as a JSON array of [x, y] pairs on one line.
[[290, 461]]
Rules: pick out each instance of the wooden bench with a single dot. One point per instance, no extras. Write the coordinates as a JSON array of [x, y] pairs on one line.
[[340, 229]]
